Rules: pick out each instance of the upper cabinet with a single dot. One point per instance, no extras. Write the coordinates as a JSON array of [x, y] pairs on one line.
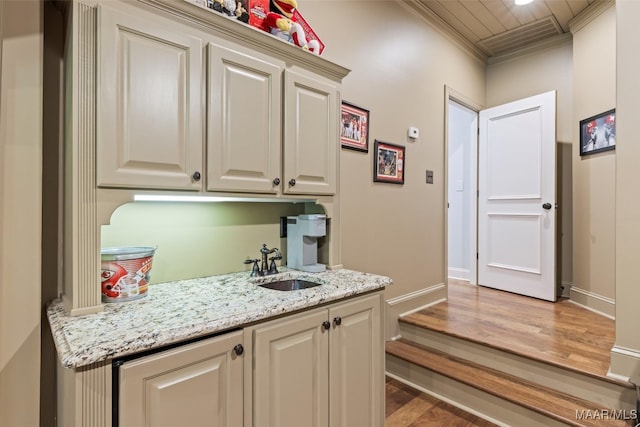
[[150, 95], [271, 127], [310, 120], [244, 116]]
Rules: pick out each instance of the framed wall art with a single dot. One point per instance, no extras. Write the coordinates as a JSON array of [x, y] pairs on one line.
[[598, 133], [389, 163], [354, 127]]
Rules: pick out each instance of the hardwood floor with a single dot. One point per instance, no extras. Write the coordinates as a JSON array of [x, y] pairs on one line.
[[561, 333], [408, 407]]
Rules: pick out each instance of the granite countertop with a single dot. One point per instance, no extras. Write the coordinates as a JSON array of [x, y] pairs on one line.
[[185, 309]]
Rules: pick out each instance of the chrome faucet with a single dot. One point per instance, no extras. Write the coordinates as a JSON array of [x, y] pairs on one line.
[[267, 264]]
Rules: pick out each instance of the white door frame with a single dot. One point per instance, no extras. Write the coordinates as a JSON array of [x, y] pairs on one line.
[[457, 97]]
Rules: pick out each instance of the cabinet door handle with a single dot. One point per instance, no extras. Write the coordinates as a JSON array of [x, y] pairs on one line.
[[196, 176], [276, 181], [337, 321], [326, 325], [238, 350], [292, 182]]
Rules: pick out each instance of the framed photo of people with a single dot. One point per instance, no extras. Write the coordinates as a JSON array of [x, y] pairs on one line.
[[598, 133], [388, 163], [354, 127]]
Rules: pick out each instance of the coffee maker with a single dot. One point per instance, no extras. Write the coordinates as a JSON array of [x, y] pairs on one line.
[[302, 241]]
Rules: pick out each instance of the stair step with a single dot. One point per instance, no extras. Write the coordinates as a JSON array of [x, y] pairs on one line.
[[604, 391], [534, 397]]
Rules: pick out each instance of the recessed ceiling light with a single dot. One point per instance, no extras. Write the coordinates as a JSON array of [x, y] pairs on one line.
[[522, 2]]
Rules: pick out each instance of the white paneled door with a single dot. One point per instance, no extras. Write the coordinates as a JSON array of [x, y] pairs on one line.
[[517, 197]]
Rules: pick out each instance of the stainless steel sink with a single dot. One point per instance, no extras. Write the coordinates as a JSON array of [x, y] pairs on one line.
[[289, 285]]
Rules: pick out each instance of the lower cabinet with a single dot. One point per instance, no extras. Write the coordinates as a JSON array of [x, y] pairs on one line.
[[320, 368], [199, 384]]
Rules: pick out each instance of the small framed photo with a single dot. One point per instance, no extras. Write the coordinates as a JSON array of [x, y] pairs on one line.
[[389, 163], [354, 127], [598, 133]]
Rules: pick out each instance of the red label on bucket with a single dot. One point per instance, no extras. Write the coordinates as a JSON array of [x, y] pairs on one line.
[[125, 280]]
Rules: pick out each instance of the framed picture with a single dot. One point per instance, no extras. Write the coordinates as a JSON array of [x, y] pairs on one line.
[[354, 127], [388, 163], [598, 133]]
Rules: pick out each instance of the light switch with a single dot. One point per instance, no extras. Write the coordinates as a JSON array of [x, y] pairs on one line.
[[429, 177], [459, 185]]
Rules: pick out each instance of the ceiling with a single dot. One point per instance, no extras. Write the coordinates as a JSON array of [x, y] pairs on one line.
[[495, 27]]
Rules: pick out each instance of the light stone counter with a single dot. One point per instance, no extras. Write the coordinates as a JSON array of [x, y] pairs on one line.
[[186, 309]]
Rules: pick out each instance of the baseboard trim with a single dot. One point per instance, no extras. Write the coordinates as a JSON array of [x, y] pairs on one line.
[[591, 301], [458, 273], [624, 364], [409, 303]]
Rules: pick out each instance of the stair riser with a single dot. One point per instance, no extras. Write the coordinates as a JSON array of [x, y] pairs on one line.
[[604, 393], [470, 399]]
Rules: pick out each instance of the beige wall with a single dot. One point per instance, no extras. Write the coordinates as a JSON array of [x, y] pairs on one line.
[[594, 185], [199, 239], [400, 67], [625, 358], [542, 69], [20, 213]]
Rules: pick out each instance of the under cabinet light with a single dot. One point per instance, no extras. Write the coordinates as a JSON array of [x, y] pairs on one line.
[[523, 2], [212, 199]]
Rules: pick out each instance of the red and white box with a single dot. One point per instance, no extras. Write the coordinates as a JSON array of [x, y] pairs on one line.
[[308, 31], [257, 10]]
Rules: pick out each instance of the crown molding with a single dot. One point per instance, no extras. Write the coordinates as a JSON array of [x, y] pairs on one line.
[[444, 29], [592, 11], [541, 46]]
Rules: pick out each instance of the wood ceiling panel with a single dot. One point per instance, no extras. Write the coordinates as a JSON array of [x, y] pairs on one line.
[[496, 26], [439, 9], [458, 9], [522, 14], [502, 13], [539, 9], [480, 11]]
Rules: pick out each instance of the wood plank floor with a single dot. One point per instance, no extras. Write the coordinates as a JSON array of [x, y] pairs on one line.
[[407, 407], [561, 333]]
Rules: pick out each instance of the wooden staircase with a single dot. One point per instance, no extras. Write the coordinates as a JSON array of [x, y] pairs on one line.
[[518, 372]]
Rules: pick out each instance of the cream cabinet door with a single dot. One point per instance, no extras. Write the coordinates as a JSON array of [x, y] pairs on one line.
[[356, 364], [199, 384], [244, 122], [290, 377], [150, 102], [310, 135]]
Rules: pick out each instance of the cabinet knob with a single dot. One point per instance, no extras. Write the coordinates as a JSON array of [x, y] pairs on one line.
[[292, 182], [276, 181], [196, 176], [326, 325], [337, 321], [238, 350]]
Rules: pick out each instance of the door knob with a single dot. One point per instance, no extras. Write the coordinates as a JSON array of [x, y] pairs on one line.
[[276, 181], [337, 321], [326, 325], [196, 176], [547, 206], [292, 182], [238, 349]]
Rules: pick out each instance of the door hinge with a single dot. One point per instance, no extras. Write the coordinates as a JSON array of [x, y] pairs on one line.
[[477, 255]]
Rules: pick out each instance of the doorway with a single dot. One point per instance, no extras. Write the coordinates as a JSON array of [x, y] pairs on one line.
[[462, 140], [505, 232]]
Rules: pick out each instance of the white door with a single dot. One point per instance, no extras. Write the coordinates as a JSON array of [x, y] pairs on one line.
[[516, 197]]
